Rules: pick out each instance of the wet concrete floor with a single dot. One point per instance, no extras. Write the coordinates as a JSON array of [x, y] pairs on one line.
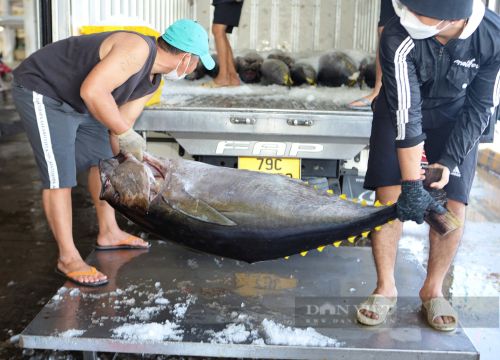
[[28, 252]]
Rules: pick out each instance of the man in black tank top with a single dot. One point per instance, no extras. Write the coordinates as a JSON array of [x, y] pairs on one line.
[[71, 96]]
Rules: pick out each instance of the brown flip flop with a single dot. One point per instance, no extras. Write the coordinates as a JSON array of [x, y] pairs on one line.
[[127, 244], [73, 274]]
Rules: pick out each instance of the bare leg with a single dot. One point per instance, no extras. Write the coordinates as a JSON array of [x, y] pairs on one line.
[[109, 231], [378, 75], [235, 79], [385, 248], [441, 253], [57, 206], [223, 52]]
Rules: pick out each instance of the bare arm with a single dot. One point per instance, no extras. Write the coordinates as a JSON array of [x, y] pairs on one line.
[[130, 111], [117, 66], [378, 67], [409, 162]]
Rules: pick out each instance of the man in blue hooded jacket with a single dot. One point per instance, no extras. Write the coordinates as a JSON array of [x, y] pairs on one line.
[[440, 62]]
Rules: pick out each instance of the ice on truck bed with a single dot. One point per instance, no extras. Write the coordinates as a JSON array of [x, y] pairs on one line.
[[190, 94]]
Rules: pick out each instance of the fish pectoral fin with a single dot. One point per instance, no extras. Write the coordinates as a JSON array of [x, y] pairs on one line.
[[198, 209]]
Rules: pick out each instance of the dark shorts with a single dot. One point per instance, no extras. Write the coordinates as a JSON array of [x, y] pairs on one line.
[[228, 13], [383, 165], [64, 141], [386, 12]]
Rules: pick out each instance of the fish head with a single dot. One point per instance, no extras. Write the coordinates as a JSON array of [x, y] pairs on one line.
[[129, 182]]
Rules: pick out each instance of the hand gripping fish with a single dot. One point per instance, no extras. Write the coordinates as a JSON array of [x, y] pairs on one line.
[[244, 215]]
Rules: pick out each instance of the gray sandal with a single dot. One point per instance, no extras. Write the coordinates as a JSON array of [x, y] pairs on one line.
[[440, 307], [377, 304]]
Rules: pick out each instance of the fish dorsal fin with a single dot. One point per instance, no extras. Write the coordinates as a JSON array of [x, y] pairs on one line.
[[196, 209]]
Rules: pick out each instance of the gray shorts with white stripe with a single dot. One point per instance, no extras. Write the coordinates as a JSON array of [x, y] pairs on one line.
[[64, 141]]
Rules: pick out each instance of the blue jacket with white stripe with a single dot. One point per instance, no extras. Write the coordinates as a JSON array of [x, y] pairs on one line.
[[428, 85]]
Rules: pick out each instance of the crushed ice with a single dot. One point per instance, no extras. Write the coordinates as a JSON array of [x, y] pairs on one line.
[[71, 333], [278, 334], [149, 332]]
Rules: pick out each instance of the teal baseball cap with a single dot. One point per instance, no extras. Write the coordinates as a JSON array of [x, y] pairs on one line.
[[189, 36]]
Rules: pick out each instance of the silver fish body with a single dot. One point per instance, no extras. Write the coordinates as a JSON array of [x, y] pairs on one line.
[[240, 214]]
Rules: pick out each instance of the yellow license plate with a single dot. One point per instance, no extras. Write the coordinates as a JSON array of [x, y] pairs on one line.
[[283, 166]]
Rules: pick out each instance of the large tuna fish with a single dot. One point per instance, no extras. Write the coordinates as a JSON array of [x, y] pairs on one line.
[[275, 71], [240, 214], [367, 71], [248, 67], [283, 56], [215, 71], [198, 72], [302, 73], [336, 69]]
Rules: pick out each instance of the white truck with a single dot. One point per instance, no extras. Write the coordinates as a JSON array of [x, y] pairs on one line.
[[274, 125]]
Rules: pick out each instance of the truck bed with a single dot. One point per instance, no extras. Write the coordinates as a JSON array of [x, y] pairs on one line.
[[191, 94], [238, 120]]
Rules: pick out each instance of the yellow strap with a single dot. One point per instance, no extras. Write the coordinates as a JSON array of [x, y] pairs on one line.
[[130, 240], [91, 272]]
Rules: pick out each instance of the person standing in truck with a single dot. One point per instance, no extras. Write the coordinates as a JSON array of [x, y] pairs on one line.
[[440, 87], [365, 102], [69, 94], [227, 15]]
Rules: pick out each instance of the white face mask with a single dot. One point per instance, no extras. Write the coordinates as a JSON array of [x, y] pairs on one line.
[[172, 75], [415, 28]]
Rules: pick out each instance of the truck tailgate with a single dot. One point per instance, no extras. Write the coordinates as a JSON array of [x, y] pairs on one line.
[[251, 120]]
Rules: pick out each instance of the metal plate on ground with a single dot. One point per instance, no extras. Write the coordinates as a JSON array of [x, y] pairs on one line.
[[174, 301]]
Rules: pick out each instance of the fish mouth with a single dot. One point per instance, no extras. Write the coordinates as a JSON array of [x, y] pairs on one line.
[[153, 168], [155, 165], [250, 75], [106, 167]]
